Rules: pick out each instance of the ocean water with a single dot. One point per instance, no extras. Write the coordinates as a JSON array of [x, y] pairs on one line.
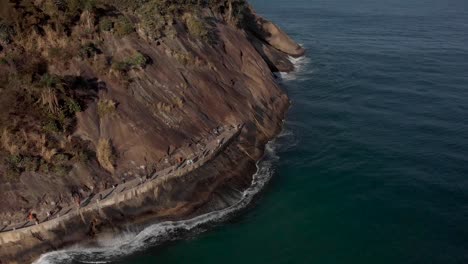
[[372, 166]]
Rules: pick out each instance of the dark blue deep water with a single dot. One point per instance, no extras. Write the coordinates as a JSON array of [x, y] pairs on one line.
[[373, 162]]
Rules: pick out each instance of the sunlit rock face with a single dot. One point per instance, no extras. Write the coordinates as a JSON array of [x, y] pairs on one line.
[[104, 99]]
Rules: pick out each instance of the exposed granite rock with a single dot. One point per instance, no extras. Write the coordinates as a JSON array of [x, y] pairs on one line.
[[187, 88], [277, 38]]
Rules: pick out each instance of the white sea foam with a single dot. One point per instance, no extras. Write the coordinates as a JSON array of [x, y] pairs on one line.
[[132, 242], [286, 140], [299, 68]]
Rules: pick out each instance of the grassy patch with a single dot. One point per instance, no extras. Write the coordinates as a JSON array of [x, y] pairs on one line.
[[184, 58], [17, 164], [60, 170], [6, 33], [164, 107], [138, 60], [153, 21], [197, 27], [89, 50], [106, 107], [179, 102], [106, 24], [123, 26], [105, 154]]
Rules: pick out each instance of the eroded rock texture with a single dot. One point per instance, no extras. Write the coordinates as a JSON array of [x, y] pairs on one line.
[[138, 102]]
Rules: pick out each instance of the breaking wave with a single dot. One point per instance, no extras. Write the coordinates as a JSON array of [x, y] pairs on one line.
[[128, 243], [299, 69]]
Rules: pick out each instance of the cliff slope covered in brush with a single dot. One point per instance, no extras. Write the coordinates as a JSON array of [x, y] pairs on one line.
[[97, 91]]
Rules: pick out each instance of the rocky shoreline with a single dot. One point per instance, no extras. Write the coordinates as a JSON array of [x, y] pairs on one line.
[[138, 206]]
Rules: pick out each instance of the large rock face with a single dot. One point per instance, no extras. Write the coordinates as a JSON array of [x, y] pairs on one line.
[[153, 112]]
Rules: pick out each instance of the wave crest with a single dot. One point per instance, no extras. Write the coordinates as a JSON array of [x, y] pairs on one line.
[[299, 69]]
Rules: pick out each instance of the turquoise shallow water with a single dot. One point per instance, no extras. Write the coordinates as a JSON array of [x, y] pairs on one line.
[[373, 162]]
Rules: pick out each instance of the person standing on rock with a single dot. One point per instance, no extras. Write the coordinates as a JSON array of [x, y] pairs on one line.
[[30, 217], [77, 201], [33, 218]]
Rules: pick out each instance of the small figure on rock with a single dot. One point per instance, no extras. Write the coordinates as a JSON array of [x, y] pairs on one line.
[[33, 218], [77, 201], [30, 217]]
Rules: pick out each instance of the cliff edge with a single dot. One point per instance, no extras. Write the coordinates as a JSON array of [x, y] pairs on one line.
[[97, 93]]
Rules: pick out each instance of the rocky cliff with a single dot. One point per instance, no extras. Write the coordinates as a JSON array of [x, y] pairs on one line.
[[94, 93]]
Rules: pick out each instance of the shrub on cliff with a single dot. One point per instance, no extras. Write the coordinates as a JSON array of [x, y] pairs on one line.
[[106, 24], [196, 27], [105, 154], [106, 107], [60, 170], [120, 66], [30, 163], [17, 164], [123, 26], [152, 21], [138, 60], [127, 5], [11, 173], [89, 50], [74, 7], [184, 58], [6, 33]]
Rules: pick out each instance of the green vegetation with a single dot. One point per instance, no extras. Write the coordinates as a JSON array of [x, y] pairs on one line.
[[73, 106], [197, 28], [120, 66], [156, 17], [60, 170], [13, 169], [58, 103], [106, 107], [184, 58], [51, 127], [61, 14], [138, 60], [75, 6], [6, 33], [89, 50], [82, 156], [38, 109], [153, 21], [17, 164], [106, 24], [123, 26], [37, 116], [30, 164]]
